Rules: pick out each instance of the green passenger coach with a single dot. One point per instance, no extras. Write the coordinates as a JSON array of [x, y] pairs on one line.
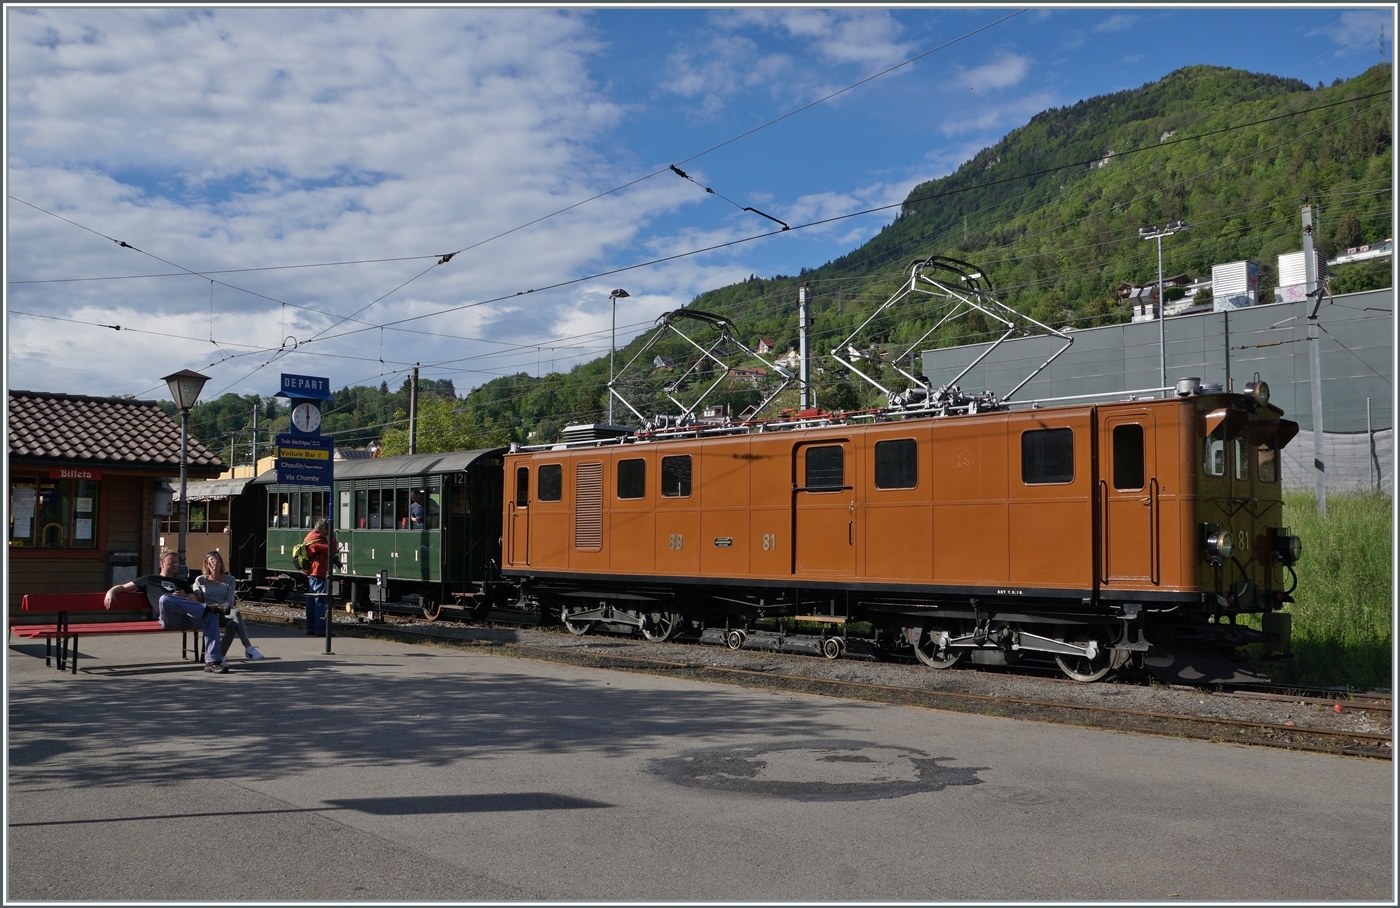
[[421, 528]]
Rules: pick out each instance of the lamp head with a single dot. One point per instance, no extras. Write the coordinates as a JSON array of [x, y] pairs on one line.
[[185, 387]]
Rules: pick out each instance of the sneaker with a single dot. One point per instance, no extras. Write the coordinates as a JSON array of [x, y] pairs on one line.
[[217, 668], [252, 653]]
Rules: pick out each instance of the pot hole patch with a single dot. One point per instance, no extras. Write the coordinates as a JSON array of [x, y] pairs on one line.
[[819, 770]]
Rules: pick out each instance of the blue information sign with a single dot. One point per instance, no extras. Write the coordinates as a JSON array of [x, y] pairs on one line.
[[304, 460], [305, 387]]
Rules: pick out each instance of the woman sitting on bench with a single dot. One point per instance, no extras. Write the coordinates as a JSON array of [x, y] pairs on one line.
[[217, 588]]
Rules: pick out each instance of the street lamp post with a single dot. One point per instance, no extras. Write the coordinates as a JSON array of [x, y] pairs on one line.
[[184, 389], [1153, 233], [612, 348]]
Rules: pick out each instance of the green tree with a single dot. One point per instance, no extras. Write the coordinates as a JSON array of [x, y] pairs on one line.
[[447, 425]]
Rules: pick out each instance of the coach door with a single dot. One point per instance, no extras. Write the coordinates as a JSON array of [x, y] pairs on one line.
[[824, 510], [1128, 499], [518, 519]]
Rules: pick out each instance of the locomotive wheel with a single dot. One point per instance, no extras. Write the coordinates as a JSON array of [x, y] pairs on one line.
[[577, 628], [927, 650], [432, 610], [661, 626], [1087, 670], [734, 639]]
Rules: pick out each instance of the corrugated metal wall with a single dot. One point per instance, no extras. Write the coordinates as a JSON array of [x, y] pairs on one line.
[[1357, 362]]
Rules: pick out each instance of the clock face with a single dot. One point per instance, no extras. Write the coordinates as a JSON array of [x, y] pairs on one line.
[[306, 417]]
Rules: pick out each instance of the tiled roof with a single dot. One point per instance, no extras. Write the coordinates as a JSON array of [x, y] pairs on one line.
[[101, 431]]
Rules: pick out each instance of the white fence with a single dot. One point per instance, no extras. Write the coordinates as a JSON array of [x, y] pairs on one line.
[[1353, 461]]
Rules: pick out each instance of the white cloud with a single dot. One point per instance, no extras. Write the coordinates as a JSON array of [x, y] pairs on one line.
[[1359, 30], [726, 62], [999, 117], [1118, 22], [1004, 72]]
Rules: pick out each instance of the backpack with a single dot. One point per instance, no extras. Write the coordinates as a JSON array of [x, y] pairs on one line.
[[301, 556]]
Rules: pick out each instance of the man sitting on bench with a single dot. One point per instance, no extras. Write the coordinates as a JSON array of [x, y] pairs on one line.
[[175, 607]]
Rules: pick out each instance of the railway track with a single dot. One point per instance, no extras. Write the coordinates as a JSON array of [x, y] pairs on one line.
[[1054, 703]]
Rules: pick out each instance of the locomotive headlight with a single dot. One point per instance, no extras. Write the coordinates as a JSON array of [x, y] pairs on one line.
[[1219, 542], [1259, 390], [1288, 548]]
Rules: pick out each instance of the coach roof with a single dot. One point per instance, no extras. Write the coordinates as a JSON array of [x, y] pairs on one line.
[[404, 465]]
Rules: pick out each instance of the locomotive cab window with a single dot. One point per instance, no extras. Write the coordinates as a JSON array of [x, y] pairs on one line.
[[826, 469], [1128, 463], [552, 482], [1268, 464], [897, 464], [522, 487], [632, 478], [675, 476], [1241, 457], [1047, 456], [1213, 458]]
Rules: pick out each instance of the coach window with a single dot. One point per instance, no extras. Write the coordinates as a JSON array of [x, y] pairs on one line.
[[1128, 466], [361, 509], [632, 478], [371, 514], [386, 509], [826, 469], [1241, 457], [552, 482], [675, 476], [1047, 456], [897, 464], [401, 502]]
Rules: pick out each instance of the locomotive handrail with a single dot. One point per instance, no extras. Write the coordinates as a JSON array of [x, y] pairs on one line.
[[1103, 531], [1153, 561]]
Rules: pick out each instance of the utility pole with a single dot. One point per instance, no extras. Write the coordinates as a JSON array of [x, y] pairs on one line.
[[254, 474], [804, 325], [413, 412], [1314, 357]]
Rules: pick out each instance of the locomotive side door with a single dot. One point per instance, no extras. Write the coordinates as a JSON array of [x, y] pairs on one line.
[[518, 519], [824, 509], [1128, 499]]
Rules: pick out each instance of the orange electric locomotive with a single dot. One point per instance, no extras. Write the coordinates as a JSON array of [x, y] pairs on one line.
[[1099, 534]]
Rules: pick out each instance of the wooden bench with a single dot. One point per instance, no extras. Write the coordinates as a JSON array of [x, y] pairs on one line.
[[61, 638]]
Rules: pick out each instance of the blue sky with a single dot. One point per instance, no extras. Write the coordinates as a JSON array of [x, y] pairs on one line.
[[254, 142]]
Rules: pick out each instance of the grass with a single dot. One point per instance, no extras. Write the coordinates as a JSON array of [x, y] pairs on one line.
[[1342, 620]]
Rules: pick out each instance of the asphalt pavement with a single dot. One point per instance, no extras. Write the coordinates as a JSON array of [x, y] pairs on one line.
[[389, 771]]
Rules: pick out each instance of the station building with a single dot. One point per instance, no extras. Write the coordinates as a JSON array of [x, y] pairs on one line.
[[88, 477]]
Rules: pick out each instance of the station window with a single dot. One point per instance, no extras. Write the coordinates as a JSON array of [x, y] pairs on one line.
[[552, 482], [632, 478], [53, 513], [1129, 469], [1047, 456], [675, 476], [826, 468], [897, 464]]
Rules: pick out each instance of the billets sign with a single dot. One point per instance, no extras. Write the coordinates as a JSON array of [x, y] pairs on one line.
[[304, 460]]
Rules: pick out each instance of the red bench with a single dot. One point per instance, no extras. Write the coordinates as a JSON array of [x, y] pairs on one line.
[[61, 639]]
